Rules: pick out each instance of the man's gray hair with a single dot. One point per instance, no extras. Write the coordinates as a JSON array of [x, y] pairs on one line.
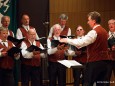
[[63, 17], [95, 16]]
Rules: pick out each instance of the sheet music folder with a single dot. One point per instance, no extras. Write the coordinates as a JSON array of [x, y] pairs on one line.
[[71, 63], [13, 51], [64, 36], [35, 48], [55, 43], [15, 41]]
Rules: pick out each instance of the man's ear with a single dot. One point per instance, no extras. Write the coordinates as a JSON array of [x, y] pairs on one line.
[[94, 21], [84, 31]]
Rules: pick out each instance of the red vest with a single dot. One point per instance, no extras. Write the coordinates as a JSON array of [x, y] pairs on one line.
[[99, 49], [65, 31], [11, 33], [24, 32], [6, 62], [82, 58], [59, 55], [33, 61]]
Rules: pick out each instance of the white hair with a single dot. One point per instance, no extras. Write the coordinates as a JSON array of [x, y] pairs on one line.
[[56, 26]]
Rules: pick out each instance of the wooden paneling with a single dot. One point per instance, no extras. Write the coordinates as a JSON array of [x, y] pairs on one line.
[[77, 11]]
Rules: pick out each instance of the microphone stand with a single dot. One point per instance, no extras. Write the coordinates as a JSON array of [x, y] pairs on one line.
[[44, 60]]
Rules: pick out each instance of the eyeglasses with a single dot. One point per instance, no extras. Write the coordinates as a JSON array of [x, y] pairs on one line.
[[80, 30]]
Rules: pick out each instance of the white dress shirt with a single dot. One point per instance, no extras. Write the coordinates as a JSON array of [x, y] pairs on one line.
[[19, 33], [26, 54], [51, 31], [80, 37], [111, 34], [86, 40]]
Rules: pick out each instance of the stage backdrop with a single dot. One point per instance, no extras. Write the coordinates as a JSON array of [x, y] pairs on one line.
[[8, 7]]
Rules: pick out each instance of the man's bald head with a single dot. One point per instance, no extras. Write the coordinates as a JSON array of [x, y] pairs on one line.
[[31, 34], [31, 31]]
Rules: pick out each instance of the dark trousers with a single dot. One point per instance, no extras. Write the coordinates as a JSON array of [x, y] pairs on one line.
[[111, 67], [95, 72], [33, 74], [6, 77], [57, 72], [77, 72]]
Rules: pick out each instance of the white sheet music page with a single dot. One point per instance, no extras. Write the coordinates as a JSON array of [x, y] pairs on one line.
[[69, 63]]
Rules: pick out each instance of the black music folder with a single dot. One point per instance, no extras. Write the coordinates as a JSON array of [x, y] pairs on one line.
[[35, 48], [64, 36], [14, 40], [55, 43], [13, 51], [74, 48]]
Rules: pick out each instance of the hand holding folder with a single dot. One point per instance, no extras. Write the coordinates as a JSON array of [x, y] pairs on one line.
[[35, 48], [55, 43], [14, 50]]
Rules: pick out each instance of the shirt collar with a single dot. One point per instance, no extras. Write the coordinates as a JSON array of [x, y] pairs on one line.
[[62, 27], [34, 43], [3, 41], [95, 26], [56, 38], [25, 26], [111, 33]]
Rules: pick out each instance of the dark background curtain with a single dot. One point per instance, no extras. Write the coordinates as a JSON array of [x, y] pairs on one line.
[[38, 10]]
